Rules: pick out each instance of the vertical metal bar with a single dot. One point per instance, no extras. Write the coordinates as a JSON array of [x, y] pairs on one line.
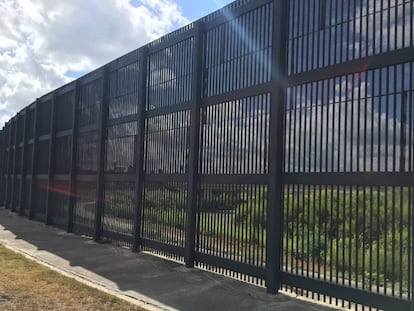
[[16, 123], [5, 163], [9, 165], [73, 159], [23, 164], [101, 155], [6, 160], [34, 160], [194, 146], [277, 111], [396, 75], [410, 165], [4, 166], [386, 91], [376, 94], [371, 79], [51, 158], [139, 182], [2, 154], [9, 158]]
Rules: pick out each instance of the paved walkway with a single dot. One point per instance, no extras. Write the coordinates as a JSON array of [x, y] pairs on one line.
[[146, 280]]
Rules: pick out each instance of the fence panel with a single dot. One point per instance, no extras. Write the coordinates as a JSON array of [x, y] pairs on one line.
[[166, 145], [169, 75], [165, 158], [238, 52], [124, 91], [351, 231], [164, 218], [85, 207], [121, 148], [2, 155], [118, 212], [44, 117], [59, 203], [27, 182], [39, 199], [62, 155], [64, 111], [324, 33], [121, 151], [90, 103], [85, 173], [6, 130], [87, 157], [234, 144]]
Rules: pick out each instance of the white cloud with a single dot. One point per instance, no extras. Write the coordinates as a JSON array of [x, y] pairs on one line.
[[42, 41]]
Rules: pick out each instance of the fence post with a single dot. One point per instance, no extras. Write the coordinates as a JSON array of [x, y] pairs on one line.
[[9, 135], [101, 155], [9, 166], [412, 230], [194, 146], [34, 160], [51, 157], [23, 164], [139, 182], [275, 192], [11, 203], [2, 163], [7, 163], [73, 158]]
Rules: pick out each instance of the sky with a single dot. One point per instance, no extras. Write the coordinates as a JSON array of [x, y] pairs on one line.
[[45, 44]]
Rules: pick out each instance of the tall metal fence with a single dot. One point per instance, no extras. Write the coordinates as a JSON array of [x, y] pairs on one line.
[[271, 141]]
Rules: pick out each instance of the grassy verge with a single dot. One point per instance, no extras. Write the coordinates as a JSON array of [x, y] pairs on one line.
[[26, 285]]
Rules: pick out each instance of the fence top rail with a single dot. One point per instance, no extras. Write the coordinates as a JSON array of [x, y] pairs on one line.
[[225, 10], [66, 88], [46, 98], [126, 59]]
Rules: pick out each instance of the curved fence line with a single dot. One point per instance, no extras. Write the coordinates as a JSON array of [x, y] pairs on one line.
[[271, 141]]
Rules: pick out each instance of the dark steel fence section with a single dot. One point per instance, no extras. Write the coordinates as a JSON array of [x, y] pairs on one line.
[[27, 157], [59, 202], [271, 141], [120, 150], [324, 32], [13, 154], [2, 158], [234, 142], [169, 94], [348, 152], [85, 189], [238, 52], [118, 212], [119, 179], [22, 163], [61, 157]]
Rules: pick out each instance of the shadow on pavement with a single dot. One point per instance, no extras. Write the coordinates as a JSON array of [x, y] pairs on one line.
[[162, 282]]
